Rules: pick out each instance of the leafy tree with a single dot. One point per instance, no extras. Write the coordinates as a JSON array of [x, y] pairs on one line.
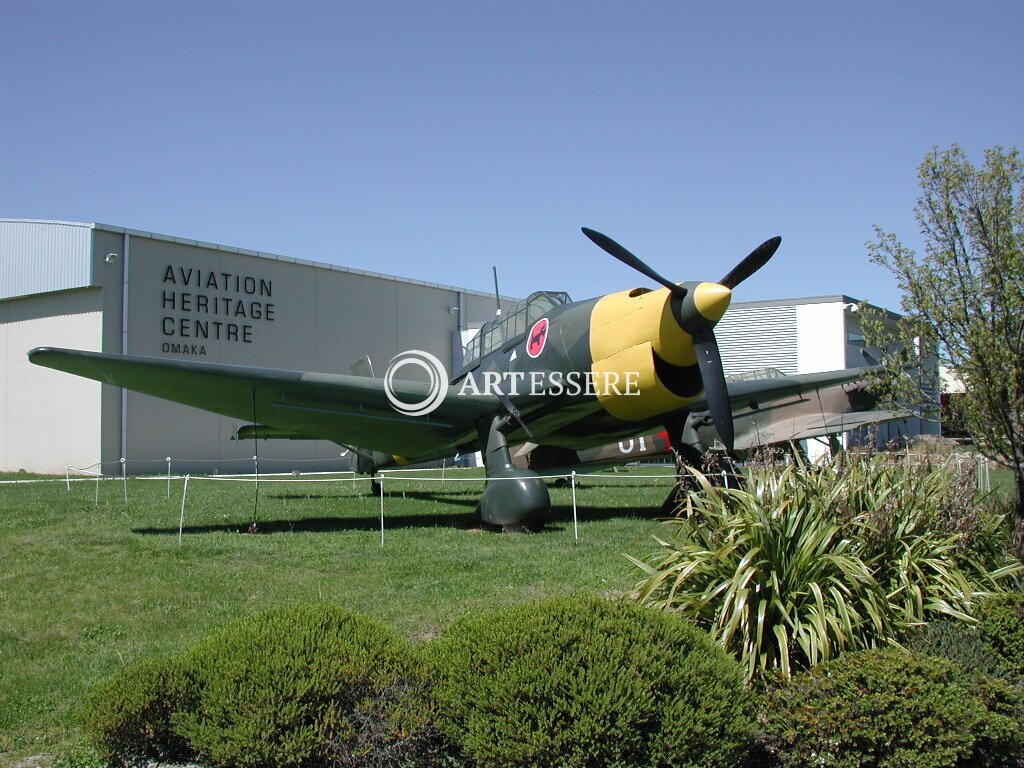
[[964, 298]]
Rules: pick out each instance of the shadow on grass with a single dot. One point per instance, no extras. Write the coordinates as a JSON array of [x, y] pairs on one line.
[[326, 524], [559, 518], [459, 498]]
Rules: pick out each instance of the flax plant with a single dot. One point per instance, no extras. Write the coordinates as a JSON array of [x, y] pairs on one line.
[[806, 562], [776, 584]]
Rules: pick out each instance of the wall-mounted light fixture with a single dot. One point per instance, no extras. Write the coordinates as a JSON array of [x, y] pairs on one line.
[[110, 258]]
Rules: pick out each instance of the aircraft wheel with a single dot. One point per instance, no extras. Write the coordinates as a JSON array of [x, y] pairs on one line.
[[374, 487]]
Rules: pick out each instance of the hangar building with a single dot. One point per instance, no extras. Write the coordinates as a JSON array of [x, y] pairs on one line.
[[109, 289]]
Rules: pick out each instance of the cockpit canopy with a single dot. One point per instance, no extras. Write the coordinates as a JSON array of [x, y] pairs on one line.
[[512, 324]]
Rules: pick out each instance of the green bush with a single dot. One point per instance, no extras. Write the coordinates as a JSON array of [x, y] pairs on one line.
[[999, 733], [804, 563], [128, 717], [304, 686], [1002, 627], [962, 644], [588, 682], [891, 709]]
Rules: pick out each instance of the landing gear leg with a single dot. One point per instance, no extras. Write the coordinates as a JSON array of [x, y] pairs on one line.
[[687, 452], [513, 498]]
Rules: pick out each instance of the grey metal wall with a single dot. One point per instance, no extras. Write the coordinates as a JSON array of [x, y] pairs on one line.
[[39, 257], [195, 302], [772, 345]]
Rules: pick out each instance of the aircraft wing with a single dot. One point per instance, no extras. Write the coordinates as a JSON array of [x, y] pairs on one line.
[[751, 393], [346, 409], [807, 426], [790, 408]]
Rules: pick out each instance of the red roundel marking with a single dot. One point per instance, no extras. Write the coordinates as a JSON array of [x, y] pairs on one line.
[[538, 337]]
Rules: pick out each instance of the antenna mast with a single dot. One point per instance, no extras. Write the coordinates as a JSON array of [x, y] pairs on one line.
[[497, 296]]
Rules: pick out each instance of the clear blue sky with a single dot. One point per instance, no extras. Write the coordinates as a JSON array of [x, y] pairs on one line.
[[435, 139]]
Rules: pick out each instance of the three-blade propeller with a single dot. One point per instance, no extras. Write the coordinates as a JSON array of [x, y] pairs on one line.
[[709, 358]]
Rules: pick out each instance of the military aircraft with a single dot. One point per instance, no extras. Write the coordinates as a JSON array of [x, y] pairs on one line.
[[604, 369]]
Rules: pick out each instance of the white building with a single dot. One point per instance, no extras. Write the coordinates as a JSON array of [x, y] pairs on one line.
[[809, 335]]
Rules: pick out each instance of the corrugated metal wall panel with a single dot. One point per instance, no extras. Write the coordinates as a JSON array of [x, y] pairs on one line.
[[758, 337], [43, 256]]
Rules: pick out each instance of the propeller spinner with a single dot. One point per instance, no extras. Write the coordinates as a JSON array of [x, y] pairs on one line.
[[709, 358]]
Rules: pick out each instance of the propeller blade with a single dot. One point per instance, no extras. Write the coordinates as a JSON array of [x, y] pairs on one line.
[[756, 259], [607, 244], [709, 360]]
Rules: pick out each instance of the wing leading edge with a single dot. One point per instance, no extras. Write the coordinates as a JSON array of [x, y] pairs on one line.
[[351, 410], [751, 393]]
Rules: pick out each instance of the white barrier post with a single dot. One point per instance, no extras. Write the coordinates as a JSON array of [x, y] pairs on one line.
[[382, 510], [99, 471], [342, 456], [575, 522], [168, 477], [124, 480], [181, 521], [67, 476]]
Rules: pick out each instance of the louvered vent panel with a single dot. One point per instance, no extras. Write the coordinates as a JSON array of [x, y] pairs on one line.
[[758, 337]]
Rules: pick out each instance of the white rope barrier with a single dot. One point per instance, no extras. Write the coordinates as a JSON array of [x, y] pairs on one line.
[[69, 480], [389, 477], [407, 475], [265, 478]]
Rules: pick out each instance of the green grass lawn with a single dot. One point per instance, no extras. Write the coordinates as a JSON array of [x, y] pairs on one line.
[[1002, 480], [86, 588]]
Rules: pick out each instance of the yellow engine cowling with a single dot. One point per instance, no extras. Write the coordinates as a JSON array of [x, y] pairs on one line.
[[628, 329]]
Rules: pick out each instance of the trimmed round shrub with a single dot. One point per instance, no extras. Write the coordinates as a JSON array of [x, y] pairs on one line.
[[588, 682], [892, 709], [129, 716], [962, 644], [304, 686], [1002, 627], [999, 735]]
